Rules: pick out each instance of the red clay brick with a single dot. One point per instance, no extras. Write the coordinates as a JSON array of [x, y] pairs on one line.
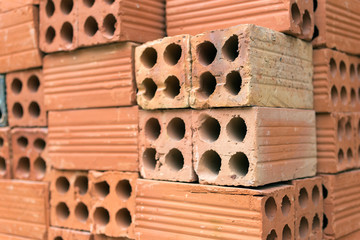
[[5, 155], [166, 210], [88, 78], [25, 98], [247, 65], [294, 17], [97, 139], [11, 5], [67, 234], [260, 144], [165, 145], [163, 73]]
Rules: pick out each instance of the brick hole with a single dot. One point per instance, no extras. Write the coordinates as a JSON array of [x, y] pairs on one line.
[[123, 218], [209, 129], [102, 189], [353, 96], [349, 155], [286, 233], [176, 129], [333, 68], [272, 235], [17, 110], [1, 142], [303, 228], [295, 13], [340, 129], [270, 208], [16, 86], [206, 53], [325, 221], [352, 72], [343, 95], [23, 167], [342, 70], [152, 129], [50, 8], [22, 142], [39, 168], [39, 144], [324, 191], [239, 164], [209, 164], [230, 49], [348, 130], [62, 211], [172, 87], [233, 83], [34, 109], [81, 212], [303, 198], [66, 6], [207, 85], [358, 71], [315, 4], [149, 57], [33, 83], [315, 195], [172, 54], [67, 32], [359, 94], [236, 129], [315, 223], [109, 1], [123, 189], [174, 159], [316, 32], [150, 158], [101, 216], [306, 23], [81, 185], [358, 128], [340, 156], [62, 185], [91, 26], [2, 166], [58, 238], [109, 25], [89, 3], [50, 35], [150, 88], [285, 205]]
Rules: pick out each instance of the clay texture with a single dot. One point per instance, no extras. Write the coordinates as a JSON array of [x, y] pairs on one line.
[[3, 110], [5, 154], [56, 233], [11, 5]]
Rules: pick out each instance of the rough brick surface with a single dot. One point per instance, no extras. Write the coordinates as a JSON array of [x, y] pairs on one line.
[[165, 145], [180, 211], [26, 215], [19, 45], [67, 234], [5, 154], [248, 65], [260, 144], [88, 78], [97, 139], [3, 110], [337, 24], [30, 160], [10, 5], [336, 81], [25, 98], [192, 17], [113, 203], [163, 73]]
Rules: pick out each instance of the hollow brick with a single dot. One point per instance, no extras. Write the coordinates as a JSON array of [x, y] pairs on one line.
[[56, 233], [5, 153]]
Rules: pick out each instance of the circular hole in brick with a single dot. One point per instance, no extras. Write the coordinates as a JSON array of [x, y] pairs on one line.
[[333, 68], [174, 159], [89, 3], [285, 205], [81, 212], [123, 189], [343, 95], [176, 129], [149, 158], [66, 6], [349, 155], [239, 164], [39, 144], [340, 129], [315, 223], [230, 49], [62, 211], [315, 4], [207, 85], [149, 57], [206, 52], [101, 216], [272, 235], [315, 195], [172, 87], [102, 189], [358, 71], [306, 23], [50, 35], [16, 86], [91, 26], [67, 32], [270, 208], [303, 198], [172, 54], [209, 129], [23, 167], [58, 238], [150, 88], [359, 94], [33, 83], [353, 97], [39, 168], [123, 218], [152, 129], [34, 109], [62, 185], [316, 32], [209, 165], [348, 130], [325, 221], [1, 142], [236, 129], [303, 228], [81, 184], [109, 1], [342, 70], [109, 25], [50, 8], [352, 72], [286, 233], [233, 83], [325, 191], [341, 156], [2, 166], [22, 142], [295, 13]]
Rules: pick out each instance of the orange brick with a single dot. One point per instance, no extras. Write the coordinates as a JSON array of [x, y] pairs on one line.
[[11, 5], [5, 155], [67, 234]]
